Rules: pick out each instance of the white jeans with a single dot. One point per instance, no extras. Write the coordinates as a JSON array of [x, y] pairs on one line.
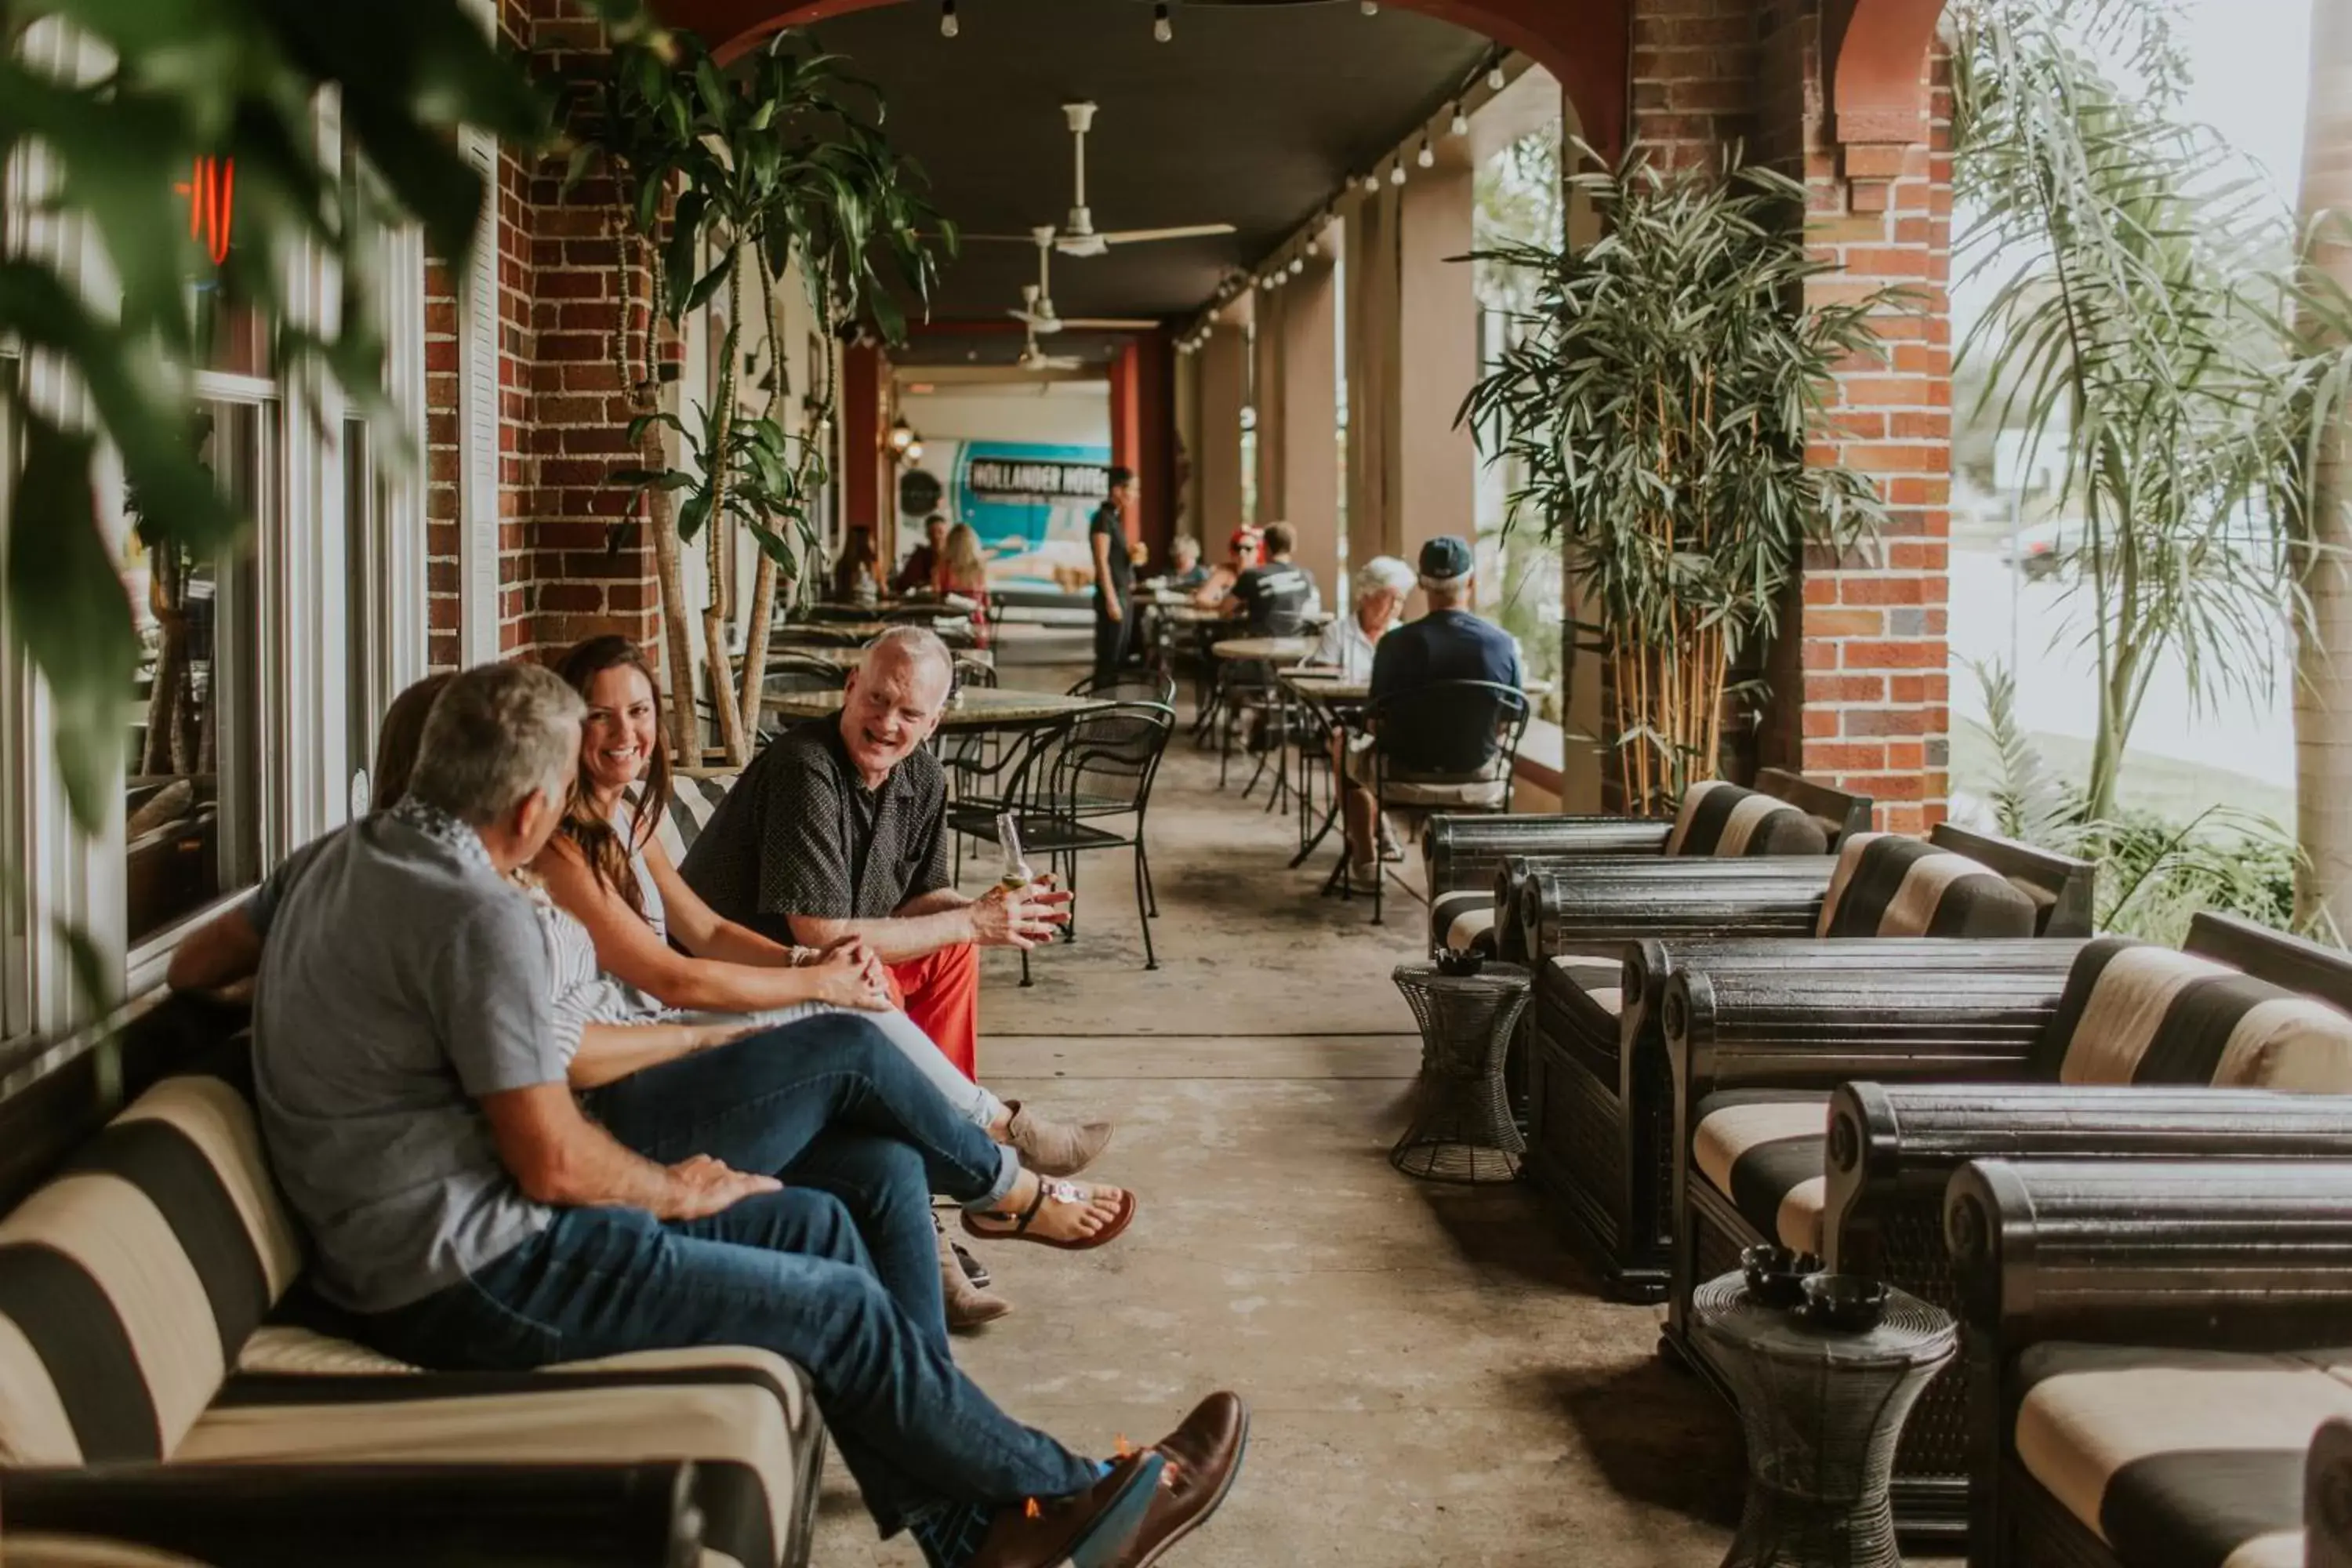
[[978, 1106]]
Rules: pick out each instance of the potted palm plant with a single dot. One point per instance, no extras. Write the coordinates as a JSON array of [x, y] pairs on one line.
[[775, 167], [1655, 404]]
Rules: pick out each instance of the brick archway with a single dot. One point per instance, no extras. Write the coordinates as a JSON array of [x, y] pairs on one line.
[[1585, 44]]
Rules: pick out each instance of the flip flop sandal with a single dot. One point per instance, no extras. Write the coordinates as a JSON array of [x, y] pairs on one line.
[[1063, 1192]]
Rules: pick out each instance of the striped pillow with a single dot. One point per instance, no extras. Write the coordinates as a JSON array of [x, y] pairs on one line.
[[129, 1283], [2134, 1013], [1886, 885], [693, 802], [1724, 820]]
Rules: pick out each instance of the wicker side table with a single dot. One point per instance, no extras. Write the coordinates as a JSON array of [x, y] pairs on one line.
[[1821, 1411], [1462, 1129]]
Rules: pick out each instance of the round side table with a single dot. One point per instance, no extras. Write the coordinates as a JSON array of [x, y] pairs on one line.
[[1462, 1129], [1821, 1411]]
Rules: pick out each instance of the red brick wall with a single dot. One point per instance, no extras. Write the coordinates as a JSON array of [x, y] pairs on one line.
[[1862, 684], [1859, 679], [563, 419]]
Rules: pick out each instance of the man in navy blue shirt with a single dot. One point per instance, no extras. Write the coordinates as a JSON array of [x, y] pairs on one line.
[[1447, 643]]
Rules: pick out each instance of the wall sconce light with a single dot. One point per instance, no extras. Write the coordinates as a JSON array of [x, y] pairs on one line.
[[902, 435]]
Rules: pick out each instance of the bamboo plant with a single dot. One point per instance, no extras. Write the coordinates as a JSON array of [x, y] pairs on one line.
[[776, 166], [1657, 399]]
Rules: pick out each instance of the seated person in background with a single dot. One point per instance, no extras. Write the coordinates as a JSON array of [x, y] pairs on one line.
[[857, 574], [1186, 573], [1276, 594], [1347, 644], [922, 563], [964, 570], [1450, 643], [839, 829], [1241, 554], [411, 1086]]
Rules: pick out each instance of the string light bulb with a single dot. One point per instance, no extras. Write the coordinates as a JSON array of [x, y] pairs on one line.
[[1426, 158], [1298, 266], [1461, 122], [1372, 184], [1163, 30], [1396, 174], [949, 26], [1370, 7], [1495, 80]]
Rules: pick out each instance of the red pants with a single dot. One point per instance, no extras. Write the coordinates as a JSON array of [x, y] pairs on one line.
[[941, 992]]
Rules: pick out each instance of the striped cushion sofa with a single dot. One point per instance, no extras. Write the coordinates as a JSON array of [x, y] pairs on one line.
[[1600, 1096], [1830, 1112], [142, 1289], [2167, 1385], [1783, 815]]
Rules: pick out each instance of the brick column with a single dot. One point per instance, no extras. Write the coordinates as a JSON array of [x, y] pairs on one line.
[[1860, 679]]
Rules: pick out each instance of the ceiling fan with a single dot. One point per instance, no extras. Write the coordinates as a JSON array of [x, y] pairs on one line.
[[1037, 312], [1078, 237], [1033, 358]]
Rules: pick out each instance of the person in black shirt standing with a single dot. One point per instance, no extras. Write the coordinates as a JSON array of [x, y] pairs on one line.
[[1114, 574], [1276, 596]]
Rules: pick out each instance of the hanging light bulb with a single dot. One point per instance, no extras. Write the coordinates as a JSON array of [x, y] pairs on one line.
[[902, 435], [1370, 7], [1396, 174], [1495, 80], [948, 24], [1298, 266], [1163, 30], [1372, 184], [1426, 158], [1461, 124]]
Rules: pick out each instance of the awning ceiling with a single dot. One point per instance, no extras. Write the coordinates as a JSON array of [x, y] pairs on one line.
[[1253, 116]]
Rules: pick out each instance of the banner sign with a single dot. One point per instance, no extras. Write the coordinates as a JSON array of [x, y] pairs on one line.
[[1030, 502], [997, 479]]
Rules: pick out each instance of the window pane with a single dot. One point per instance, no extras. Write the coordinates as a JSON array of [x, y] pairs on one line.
[[15, 951], [192, 804]]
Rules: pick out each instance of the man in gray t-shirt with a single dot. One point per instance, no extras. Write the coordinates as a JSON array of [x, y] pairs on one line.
[[403, 978], [413, 1099]]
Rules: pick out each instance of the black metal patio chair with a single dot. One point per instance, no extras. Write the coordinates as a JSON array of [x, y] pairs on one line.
[[1080, 787], [1129, 686], [1450, 746]]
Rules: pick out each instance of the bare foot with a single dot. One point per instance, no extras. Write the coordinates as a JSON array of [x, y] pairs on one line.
[[1073, 1213]]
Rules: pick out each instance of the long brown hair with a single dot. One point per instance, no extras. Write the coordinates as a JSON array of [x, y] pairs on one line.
[[397, 741], [605, 849]]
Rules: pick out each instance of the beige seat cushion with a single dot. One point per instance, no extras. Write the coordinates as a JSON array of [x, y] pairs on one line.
[[737, 1412], [2178, 1455], [1764, 1150]]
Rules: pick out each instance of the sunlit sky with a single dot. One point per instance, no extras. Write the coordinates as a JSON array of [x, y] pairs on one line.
[[2251, 72]]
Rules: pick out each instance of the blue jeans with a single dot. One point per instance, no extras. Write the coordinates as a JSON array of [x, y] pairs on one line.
[[826, 1102], [784, 1273]]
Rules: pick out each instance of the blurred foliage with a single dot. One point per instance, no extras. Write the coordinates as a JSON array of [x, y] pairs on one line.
[[2154, 873]]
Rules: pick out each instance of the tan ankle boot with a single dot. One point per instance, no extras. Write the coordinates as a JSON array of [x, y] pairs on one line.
[[1055, 1148], [968, 1305]]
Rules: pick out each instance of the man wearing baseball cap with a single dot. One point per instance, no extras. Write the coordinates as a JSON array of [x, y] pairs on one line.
[[1447, 643]]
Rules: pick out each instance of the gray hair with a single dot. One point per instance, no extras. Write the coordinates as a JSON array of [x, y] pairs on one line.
[[1186, 546], [1384, 573], [916, 643], [496, 732]]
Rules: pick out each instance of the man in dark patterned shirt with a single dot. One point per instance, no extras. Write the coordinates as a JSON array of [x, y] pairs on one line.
[[839, 829]]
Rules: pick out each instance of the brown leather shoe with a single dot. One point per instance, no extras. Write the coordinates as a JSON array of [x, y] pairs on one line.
[[1203, 1456], [1087, 1531]]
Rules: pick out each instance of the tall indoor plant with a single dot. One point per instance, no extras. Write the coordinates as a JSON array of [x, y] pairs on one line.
[[1658, 401], [775, 166]]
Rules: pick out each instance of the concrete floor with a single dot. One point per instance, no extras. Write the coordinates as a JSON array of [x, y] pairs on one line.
[[1434, 1381]]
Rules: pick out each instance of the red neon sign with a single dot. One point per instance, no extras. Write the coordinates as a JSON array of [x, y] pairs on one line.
[[211, 189]]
